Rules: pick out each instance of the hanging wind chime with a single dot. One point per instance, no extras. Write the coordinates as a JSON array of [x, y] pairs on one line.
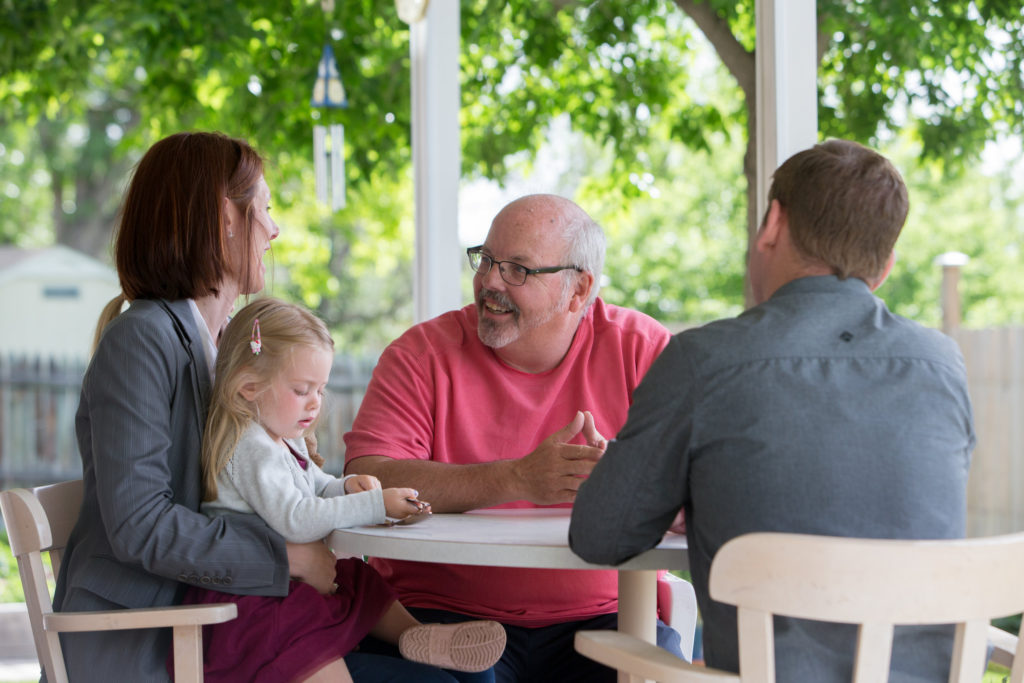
[[329, 140]]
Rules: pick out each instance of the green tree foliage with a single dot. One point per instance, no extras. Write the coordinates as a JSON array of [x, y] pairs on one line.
[[679, 248], [160, 66], [979, 215], [947, 77], [358, 278], [951, 71], [86, 86], [10, 584], [26, 201]]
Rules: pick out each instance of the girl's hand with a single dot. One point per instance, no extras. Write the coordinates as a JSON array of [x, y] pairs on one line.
[[361, 482], [400, 503]]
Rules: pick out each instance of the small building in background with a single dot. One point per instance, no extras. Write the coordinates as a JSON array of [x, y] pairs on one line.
[[50, 300]]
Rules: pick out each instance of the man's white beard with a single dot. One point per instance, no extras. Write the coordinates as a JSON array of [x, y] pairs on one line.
[[497, 334]]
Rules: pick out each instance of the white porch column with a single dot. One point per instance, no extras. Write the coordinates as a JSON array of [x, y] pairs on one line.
[[787, 85], [436, 155]]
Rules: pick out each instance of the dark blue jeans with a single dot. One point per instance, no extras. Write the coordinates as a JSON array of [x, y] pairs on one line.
[[371, 668], [535, 655]]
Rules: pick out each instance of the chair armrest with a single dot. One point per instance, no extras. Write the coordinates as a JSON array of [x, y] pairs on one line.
[[644, 660], [155, 617], [1004, 646]]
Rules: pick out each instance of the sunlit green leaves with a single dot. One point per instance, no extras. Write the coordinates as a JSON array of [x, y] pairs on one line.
[[677, 245], [85, 87], [978, 215], [950, 70], [614, 67]]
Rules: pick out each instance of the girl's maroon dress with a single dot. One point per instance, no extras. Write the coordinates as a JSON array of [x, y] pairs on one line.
[[282, 639]]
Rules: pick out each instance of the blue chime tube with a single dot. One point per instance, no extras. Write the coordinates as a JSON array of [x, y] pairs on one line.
[[320, 162], [337, 157]]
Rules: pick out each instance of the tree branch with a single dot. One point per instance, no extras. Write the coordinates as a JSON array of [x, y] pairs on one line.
[[736, 58]]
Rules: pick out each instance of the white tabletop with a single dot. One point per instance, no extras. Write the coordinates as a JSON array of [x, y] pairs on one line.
[[530, 537]]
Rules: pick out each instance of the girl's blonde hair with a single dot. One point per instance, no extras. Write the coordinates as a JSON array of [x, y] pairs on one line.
[[283, 329]]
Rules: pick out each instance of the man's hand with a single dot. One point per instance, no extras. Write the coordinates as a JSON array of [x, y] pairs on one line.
[[678, 524], [554, 471], [312, 563], [591, 434]]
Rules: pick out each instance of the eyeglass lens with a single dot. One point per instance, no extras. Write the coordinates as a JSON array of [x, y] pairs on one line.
[[510, 272]]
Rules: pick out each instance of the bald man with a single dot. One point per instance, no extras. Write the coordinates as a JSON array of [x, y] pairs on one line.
[[503, 403]]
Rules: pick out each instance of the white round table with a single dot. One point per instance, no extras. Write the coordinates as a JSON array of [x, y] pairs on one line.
[[529, 537]]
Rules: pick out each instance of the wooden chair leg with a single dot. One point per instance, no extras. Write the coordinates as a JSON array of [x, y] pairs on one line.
[[188, 654]]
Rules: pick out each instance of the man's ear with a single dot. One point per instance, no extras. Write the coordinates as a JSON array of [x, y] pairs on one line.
[[768, 234], [581, 292], [889, 262]]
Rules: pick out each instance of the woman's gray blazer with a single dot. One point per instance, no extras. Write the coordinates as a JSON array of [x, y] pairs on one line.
[[140, 538]]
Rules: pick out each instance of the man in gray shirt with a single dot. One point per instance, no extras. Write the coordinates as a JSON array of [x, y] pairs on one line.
[[817, 411]]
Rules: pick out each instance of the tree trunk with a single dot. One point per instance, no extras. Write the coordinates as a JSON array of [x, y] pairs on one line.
[[87, 180], [742, 65]]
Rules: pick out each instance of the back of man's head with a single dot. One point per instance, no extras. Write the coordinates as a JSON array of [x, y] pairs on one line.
[[845, 205]]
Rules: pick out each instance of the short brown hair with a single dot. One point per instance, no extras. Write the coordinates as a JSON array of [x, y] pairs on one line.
[[845, 205], [170, 241]]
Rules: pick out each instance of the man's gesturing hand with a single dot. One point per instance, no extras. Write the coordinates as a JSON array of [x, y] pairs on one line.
[[554, 471]]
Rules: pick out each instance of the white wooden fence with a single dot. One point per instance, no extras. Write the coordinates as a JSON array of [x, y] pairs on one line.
[[995, 372], [39, 398]]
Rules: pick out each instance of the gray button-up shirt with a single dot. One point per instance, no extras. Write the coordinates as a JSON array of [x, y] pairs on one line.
[[818, 412]]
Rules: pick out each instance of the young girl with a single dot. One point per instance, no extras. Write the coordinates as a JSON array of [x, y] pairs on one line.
[[273, 362]]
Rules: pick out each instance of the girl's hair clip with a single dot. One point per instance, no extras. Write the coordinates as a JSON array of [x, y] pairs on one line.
[[255, 343]]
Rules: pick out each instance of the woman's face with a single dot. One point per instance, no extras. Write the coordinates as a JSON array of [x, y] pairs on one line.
[[264, 229]]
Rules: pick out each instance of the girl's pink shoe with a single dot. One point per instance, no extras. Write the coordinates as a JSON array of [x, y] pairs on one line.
[[468, 646]]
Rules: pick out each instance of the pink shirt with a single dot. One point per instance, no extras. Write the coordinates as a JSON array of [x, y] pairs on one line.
[[439, 394]]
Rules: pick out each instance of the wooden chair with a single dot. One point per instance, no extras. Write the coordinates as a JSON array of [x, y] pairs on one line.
[[40, 520], [873, 583]]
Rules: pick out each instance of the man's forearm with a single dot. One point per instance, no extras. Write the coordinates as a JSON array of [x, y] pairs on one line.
[[447, 487]]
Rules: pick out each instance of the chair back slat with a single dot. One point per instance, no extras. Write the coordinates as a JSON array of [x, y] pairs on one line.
[[874, 652], [1017, 670], [62, 503], [970, 651]]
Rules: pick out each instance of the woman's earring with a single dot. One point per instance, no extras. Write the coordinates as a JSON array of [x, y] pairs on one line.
[[230, 234]]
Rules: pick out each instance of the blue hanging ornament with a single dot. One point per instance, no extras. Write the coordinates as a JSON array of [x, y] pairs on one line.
[[329, 141], [328, 92]]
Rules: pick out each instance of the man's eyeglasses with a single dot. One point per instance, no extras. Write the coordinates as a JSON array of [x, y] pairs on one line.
[[511, 272]]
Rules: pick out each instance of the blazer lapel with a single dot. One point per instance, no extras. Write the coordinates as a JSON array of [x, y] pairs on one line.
[[184, 322]]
